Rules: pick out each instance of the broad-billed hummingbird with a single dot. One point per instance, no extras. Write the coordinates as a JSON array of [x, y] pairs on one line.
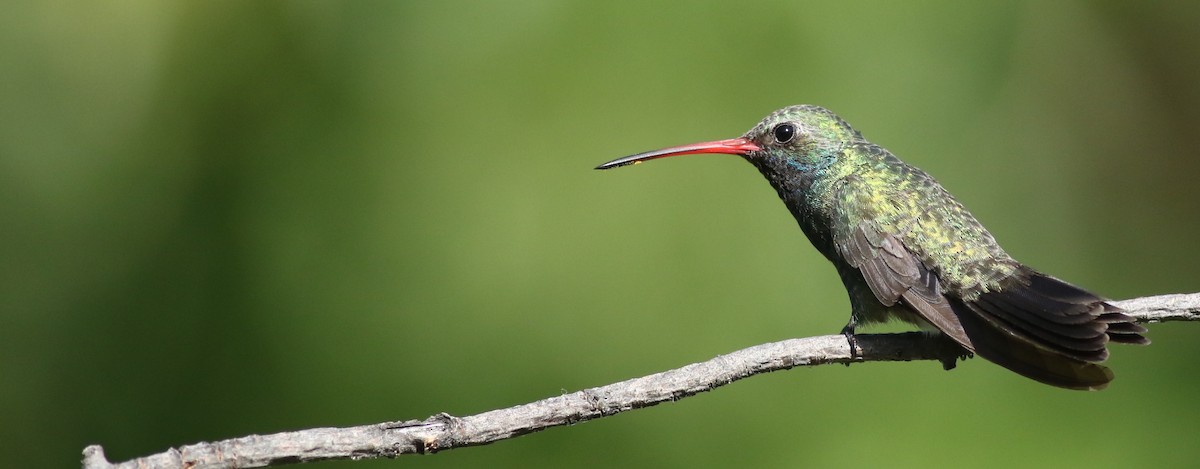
[[906, 249]]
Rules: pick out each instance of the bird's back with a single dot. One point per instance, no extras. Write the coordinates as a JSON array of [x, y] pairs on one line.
[[906, 202], [916, 248]]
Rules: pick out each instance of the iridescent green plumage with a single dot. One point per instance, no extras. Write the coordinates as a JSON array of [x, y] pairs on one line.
[[906, 249], [842, 180]]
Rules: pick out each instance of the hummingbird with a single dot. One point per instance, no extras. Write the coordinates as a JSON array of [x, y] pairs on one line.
[[906, 249]]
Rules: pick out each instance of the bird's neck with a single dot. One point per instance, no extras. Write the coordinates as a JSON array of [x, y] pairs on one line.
[[805, 186]]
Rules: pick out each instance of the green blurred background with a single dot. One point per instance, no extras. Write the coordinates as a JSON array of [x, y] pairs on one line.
[[224, 218]]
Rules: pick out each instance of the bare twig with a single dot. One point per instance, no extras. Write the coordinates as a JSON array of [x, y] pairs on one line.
[[1163, 308], [443, 431]]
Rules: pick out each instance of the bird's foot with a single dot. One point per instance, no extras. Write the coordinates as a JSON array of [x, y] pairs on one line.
[[848, 332], [950, 352]]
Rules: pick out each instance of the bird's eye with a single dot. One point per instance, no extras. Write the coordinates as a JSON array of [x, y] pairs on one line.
[[784, 132]]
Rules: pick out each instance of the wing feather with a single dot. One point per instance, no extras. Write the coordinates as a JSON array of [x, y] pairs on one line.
[[894, 274], [888, 221]]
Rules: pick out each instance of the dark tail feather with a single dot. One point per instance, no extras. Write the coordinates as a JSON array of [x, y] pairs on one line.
[[1047, 330], [1121, 328], [1022, 356]]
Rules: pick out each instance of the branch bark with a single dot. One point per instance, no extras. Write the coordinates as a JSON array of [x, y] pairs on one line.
[[444, 431]]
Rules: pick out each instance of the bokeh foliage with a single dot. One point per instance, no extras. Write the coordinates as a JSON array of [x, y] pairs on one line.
[[224, 218]]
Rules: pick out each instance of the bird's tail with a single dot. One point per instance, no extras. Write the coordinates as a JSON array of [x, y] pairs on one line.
[[1047, 330]]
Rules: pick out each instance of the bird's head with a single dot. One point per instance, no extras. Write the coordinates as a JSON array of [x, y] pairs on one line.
[[800, 138]]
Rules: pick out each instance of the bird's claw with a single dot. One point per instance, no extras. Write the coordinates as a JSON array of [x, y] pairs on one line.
[[848, 332], [951, 353]]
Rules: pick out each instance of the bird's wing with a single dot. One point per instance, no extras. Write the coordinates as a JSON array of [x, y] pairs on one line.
[[890, 269], [1032, 324]]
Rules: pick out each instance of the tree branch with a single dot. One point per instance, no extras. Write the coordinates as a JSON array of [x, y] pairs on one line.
[[444, 431]]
